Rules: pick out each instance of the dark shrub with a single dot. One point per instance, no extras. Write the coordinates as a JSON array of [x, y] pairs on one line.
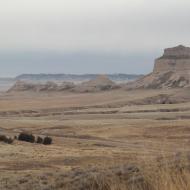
[[39, 140], [47, 141], [6, 139], [3, 138], [10, 140], [26, 137]]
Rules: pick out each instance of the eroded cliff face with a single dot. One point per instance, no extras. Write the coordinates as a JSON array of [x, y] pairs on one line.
[[175, 59], [172, 70]]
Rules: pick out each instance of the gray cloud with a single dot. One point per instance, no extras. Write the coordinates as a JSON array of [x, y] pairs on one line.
[[119, 27]]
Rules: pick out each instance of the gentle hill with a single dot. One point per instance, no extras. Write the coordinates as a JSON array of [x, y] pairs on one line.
[[100, 83], [101, 80]]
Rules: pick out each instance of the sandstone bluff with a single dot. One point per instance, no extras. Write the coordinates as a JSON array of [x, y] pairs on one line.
[[172, 70]]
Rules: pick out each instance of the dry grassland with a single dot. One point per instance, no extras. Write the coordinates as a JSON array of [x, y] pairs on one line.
[[108, 134]]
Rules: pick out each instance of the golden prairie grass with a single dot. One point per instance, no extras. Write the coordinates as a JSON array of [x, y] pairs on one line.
[[87, 132], [165, 175]]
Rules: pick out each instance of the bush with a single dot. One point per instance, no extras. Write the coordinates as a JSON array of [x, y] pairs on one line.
[[47, 141], [10, 140], [6, 139], [26, 137], [39, 140], [3, 138]]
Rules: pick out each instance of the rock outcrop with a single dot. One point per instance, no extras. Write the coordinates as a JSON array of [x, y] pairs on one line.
[[101, 80], [101, 83], [20, 86], [172, 70]]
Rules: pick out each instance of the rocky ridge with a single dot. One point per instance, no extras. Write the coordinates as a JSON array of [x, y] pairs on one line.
[[101, 83]]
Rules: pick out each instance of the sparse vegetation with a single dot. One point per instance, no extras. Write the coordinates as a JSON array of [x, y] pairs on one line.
[[6, 139], [27, 137], [39, 140], [47, 141], [151, 175]]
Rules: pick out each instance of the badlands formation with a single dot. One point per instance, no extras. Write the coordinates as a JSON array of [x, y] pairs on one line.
[[100, 83], [20, 86], [172, 70]]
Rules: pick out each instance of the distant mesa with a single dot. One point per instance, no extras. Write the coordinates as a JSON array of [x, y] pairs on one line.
[[171, 70], [74, 77]]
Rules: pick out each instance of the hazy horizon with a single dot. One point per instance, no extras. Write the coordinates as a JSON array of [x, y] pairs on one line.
[[83, 36], [35, 62]]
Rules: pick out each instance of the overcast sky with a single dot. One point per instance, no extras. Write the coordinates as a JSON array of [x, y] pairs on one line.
[[89, 36]]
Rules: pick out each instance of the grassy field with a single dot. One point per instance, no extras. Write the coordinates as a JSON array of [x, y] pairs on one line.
[[109, 134]]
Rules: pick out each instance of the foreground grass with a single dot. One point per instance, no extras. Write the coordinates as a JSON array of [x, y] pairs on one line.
[[157, 174], [165, 174]]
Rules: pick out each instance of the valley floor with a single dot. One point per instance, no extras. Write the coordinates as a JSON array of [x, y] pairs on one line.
[[91, 132]]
